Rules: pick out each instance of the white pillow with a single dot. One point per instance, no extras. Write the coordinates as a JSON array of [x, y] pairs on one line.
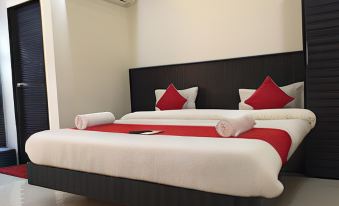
[[190, 94], [244, 106], [295, 90]]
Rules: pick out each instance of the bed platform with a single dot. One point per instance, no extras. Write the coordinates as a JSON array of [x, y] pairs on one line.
[[121, 191]]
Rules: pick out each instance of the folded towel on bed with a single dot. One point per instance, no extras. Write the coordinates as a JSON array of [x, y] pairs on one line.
[[228, 127], [87, 120]]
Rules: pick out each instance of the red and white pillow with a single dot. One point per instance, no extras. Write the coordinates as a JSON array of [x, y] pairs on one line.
[[271, 96], [189, 94]]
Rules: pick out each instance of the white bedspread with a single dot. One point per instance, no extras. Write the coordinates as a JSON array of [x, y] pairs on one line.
[[231, 166]]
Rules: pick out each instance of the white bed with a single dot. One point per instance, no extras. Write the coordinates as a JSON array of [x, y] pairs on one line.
[[230, 166]]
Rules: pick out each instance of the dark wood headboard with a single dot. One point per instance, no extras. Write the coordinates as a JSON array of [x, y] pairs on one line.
[[218, 81]]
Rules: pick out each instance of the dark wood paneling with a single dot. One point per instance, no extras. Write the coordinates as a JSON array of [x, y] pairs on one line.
[[321, 28], [218, 81]]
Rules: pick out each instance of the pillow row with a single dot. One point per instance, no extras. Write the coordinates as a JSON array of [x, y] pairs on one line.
[[267, 96]]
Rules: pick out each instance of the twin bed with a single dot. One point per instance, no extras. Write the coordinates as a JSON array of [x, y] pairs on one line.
[[176, 169]]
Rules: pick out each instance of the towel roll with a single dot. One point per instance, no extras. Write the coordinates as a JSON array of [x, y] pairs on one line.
[[87, 120], [233, 127]]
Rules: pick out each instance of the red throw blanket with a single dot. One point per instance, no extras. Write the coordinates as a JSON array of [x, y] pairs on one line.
[[279, 139]]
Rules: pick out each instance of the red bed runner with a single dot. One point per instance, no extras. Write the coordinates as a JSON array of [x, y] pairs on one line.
[[279, 139]]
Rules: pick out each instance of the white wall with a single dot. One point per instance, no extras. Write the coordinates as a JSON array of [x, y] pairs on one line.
[[92, 57], [176, 31], [50, 70], [6, 77]]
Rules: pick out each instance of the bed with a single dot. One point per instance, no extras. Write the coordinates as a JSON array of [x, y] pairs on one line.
[[179, 170]]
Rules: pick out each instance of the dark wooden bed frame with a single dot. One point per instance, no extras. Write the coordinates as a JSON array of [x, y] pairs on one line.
[[218, 83]]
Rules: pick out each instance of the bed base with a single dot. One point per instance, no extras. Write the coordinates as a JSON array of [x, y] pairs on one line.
[[121, 191]]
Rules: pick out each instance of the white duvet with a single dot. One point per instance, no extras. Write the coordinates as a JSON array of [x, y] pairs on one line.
[[231, 166]]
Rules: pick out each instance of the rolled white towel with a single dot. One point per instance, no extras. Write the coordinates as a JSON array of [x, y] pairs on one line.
[[228, 127], [87, 120]]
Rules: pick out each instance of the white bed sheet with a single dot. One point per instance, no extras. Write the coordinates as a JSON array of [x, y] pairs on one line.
[[231, 166]]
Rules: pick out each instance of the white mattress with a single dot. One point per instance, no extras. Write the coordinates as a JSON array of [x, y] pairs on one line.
[[231, 166]]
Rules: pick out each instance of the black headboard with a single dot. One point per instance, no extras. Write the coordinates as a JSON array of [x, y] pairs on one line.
[[218, 81]]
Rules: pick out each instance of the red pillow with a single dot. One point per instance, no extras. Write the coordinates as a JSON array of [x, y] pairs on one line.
[[171, 100], [268, 96]]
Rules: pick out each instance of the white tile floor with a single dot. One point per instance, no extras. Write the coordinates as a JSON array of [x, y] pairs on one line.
[[17, 192], [299, 191]]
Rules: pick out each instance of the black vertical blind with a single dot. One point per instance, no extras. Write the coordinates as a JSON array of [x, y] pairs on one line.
[[321, 21], [28, 72]]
